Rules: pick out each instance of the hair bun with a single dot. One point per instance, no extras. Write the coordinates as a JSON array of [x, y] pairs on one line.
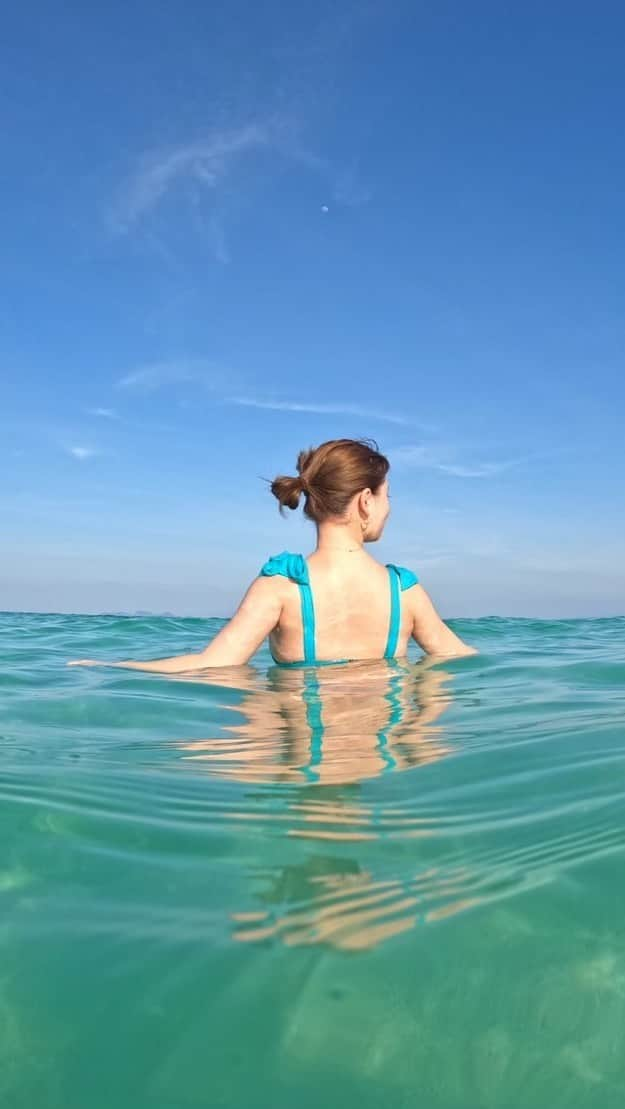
[[330, 476], [287, 491]]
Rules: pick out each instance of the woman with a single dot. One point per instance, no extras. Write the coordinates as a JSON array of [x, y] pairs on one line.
[[339, 604]]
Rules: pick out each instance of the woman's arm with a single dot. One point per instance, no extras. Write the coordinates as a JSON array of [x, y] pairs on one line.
[[257, 615], [431, 633]]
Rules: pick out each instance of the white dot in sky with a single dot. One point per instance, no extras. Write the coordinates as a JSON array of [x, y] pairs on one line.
[[324, 208]]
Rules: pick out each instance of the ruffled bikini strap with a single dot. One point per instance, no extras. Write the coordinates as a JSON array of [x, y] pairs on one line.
[[400, 579], [286, 565], [295, 567], [406, 577]]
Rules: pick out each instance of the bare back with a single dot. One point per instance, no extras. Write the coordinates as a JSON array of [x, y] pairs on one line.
[[351, 597]]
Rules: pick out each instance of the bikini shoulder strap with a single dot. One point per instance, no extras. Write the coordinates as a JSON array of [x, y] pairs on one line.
[[286, 565], [400, 579], [406, 577], [295, 567]]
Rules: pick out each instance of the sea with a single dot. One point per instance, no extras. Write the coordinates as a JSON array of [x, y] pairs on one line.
[[395, 884]]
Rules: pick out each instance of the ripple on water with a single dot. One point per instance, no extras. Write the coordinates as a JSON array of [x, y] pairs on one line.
[[457, 830]]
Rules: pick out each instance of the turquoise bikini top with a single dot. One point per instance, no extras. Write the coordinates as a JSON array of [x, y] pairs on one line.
[[295, 567]]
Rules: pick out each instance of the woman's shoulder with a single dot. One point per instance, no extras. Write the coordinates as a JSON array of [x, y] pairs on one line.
[[286, 565], [407, 578]]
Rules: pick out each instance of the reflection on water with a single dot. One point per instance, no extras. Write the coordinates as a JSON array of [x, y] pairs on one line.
[[334, 725], [350, 910], [314, 742]]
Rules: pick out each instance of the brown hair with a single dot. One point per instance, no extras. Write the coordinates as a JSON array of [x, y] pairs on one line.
[[330, 475]]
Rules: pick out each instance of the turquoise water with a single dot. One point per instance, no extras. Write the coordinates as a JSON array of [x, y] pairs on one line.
[[390, 885]]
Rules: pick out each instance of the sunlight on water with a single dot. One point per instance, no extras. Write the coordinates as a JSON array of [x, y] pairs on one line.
[[384, 882]]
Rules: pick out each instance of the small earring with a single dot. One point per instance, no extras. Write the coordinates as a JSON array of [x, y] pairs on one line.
[[364, 524]]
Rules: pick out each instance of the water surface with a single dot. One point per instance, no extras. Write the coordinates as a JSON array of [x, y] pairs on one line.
[[390, 884]]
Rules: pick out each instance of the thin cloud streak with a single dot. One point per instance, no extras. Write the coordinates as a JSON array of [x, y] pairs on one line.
[[432, 458], [318, 409], [217, 379], [160, 374], [103, 413]]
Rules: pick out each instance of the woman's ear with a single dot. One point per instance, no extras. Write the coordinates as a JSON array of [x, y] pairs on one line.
[[364, 503]]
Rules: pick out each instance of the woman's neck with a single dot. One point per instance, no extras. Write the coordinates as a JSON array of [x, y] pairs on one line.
[[339, 538]]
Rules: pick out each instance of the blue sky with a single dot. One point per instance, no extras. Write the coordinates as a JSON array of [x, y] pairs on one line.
[[232, 231]]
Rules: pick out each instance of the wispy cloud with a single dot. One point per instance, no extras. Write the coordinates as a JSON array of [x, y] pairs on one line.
[[344, 187], [82, 453], [320, 409], [436, 558], [209, 168], [441, 458], [103, 413], [217, 379], [203, 164], [156, 375]]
